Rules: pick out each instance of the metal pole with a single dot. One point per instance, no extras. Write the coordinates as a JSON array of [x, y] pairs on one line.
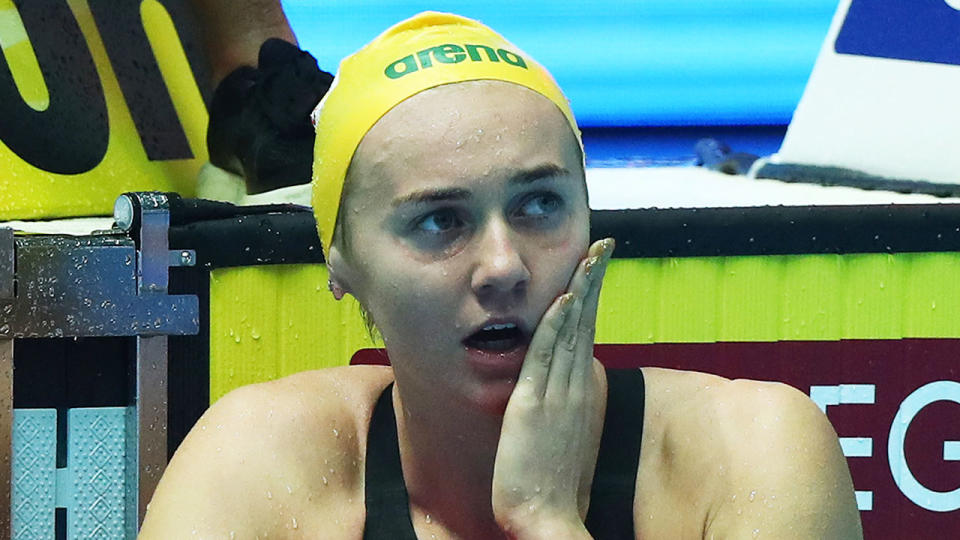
[[151, 379], [6, 433], [6, 380], [151, 389]]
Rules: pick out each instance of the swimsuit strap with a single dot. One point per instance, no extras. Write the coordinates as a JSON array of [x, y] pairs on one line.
[[614, 481], [615, 478], [385, 495]]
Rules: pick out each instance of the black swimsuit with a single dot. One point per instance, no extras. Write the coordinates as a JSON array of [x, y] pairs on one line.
[[611, 496]]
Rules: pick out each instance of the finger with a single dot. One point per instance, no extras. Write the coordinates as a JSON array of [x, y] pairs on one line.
[[566, 344], [586, 325], [537, 362], [591, 298], [588, 315], [595, 250]]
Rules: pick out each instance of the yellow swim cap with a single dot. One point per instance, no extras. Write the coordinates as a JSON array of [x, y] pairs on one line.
[[427, 50]]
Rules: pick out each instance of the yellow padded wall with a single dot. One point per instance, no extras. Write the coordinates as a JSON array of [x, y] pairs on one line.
[[271, 321]]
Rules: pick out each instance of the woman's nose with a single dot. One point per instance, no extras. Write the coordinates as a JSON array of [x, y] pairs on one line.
[[500, 271]]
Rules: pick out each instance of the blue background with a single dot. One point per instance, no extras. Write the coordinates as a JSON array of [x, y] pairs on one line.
[[649, 76]]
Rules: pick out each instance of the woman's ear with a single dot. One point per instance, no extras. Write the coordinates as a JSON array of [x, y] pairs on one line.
[[339, 271]]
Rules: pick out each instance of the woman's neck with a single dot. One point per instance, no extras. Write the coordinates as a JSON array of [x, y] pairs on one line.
[[447, 454]]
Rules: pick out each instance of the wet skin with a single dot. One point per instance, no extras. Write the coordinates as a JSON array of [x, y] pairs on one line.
[[466, 205]]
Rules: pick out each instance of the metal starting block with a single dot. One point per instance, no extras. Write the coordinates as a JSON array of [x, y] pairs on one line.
[[109, 283]]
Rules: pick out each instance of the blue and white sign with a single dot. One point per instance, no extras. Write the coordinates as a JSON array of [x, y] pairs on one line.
[[919, 30], [882, 98]]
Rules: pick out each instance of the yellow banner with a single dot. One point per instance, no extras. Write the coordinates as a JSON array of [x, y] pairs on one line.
[[96, 98]]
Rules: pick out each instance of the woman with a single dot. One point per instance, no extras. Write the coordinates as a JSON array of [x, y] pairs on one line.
[[451, 201]]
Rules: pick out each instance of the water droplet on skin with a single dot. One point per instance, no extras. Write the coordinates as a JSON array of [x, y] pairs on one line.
[[336, 433], [756, 533], [753, 495], [428, 519], [289, 489], [269, 495], [325, 481], [294, 523]]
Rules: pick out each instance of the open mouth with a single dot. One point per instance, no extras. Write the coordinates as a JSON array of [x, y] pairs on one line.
[[496, 337]]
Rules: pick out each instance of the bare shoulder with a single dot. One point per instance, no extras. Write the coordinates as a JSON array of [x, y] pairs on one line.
[[786, 468], [764, 458], [267, 453]]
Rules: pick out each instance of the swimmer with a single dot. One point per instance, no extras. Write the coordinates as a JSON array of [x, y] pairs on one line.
[[450, 197]]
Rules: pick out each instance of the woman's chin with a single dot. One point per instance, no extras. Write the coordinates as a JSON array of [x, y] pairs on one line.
[[492, 396]]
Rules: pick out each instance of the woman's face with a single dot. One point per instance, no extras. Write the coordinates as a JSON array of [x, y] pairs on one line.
[[466, 211]]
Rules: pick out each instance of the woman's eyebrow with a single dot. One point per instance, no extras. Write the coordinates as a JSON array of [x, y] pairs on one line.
[[526, 176], [432, 195], [540, 172]]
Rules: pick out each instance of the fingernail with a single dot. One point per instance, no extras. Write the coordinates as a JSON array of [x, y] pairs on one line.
[[608, 245], [588, 266], [566, 301]]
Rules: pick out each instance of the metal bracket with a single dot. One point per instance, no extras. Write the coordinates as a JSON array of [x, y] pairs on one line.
[[100, 285]]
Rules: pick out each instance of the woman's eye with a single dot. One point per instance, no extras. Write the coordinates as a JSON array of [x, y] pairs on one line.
[[439, 222], [540, 205]]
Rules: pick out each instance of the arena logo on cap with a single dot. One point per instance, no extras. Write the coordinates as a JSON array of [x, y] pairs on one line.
[[451, 54]]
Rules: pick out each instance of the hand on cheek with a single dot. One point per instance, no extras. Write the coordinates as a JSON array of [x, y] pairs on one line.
[[551, 427]]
